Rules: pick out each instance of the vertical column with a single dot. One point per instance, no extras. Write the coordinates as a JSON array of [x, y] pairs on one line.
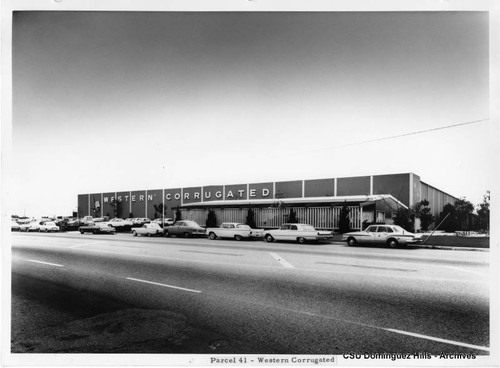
[[335, 187], [411, 190], [371, 184]]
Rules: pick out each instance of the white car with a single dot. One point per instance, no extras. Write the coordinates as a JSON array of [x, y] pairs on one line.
[[164, 222], [118, 222], [148, 229], [297, 232], [31, 226], [234, 230], [390, 235], [14, 226], [49, 226]]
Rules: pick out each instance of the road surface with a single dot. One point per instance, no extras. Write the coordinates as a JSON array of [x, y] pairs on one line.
[[200, 295]]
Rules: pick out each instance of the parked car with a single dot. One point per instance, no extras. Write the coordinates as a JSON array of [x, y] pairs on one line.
[[97, 228], [119, 223], [30, 226], [14, 226], [164, 222], [34, 226], [297, 232], [390, 235], [148, 229], [139, 221], [49, 226], [184, 228], [234, 230]]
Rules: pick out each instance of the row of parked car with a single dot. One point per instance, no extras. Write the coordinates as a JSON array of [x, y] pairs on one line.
[[391, 235]]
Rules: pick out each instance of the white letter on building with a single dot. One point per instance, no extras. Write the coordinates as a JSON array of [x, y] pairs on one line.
[[218, 194], [265, 192], [168, 197], [186, 195], [177, 196], [252, 192], [141, 198], [150, 197], [196, 195], [133, 198], [229, 194], [208, 195]]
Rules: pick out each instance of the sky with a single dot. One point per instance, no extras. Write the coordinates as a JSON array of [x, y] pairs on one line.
[[115, 101]]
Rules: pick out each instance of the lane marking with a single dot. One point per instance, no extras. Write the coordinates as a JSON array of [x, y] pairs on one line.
[[451, 342], [281, 260], [465, 270], [374, 267], [164, 285], [412, 334], [45, 263]]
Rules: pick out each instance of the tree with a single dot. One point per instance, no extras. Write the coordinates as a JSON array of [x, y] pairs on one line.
[[483, 213], [423, 212], [211, 219], [460, 216], [292, 217], [344, 219], [405, 217], [251, 218], [464, 211]]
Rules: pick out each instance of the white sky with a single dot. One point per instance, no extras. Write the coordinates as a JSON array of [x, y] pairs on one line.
[[126, 101]]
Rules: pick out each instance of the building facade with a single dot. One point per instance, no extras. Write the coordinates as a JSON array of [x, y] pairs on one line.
[[318, 201]]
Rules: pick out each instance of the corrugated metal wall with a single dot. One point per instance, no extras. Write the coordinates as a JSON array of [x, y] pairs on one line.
[[271, 217]]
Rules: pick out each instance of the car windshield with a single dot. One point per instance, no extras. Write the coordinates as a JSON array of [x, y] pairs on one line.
[[190, 223], [100, 224], [244, 227], [50, 224]]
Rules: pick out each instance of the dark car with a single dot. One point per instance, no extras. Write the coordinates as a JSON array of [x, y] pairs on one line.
[[184, 228], [97, 228]]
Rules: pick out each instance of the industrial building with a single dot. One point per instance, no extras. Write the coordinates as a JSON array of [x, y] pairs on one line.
[[370, 199]]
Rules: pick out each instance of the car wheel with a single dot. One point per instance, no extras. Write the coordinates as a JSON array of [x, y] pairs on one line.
[[94, 232], [149, 234], [134, 233], [238, 237], [81, 232], [392, 243], [186, 235], [166, 233], [301, 240], [212, 236], [352, 242], [269, 238]]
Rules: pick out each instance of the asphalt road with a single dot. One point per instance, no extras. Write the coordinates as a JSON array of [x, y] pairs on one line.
[[254, 297]]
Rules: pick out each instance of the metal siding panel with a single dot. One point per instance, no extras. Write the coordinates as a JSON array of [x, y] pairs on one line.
[[154, 204], [138, 200], [353, 186]]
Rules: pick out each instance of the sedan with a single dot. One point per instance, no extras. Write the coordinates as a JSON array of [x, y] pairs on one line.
[[97, 228], [297, 232], [148, 229], [30, 226], [184, 228], [14, 226], [390, 235], [49, 226]]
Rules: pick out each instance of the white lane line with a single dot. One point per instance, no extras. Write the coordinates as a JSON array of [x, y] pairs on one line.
[[466, 270], [451, 342], [419, 336], [164, 285], [281, 260], [45, 263]]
